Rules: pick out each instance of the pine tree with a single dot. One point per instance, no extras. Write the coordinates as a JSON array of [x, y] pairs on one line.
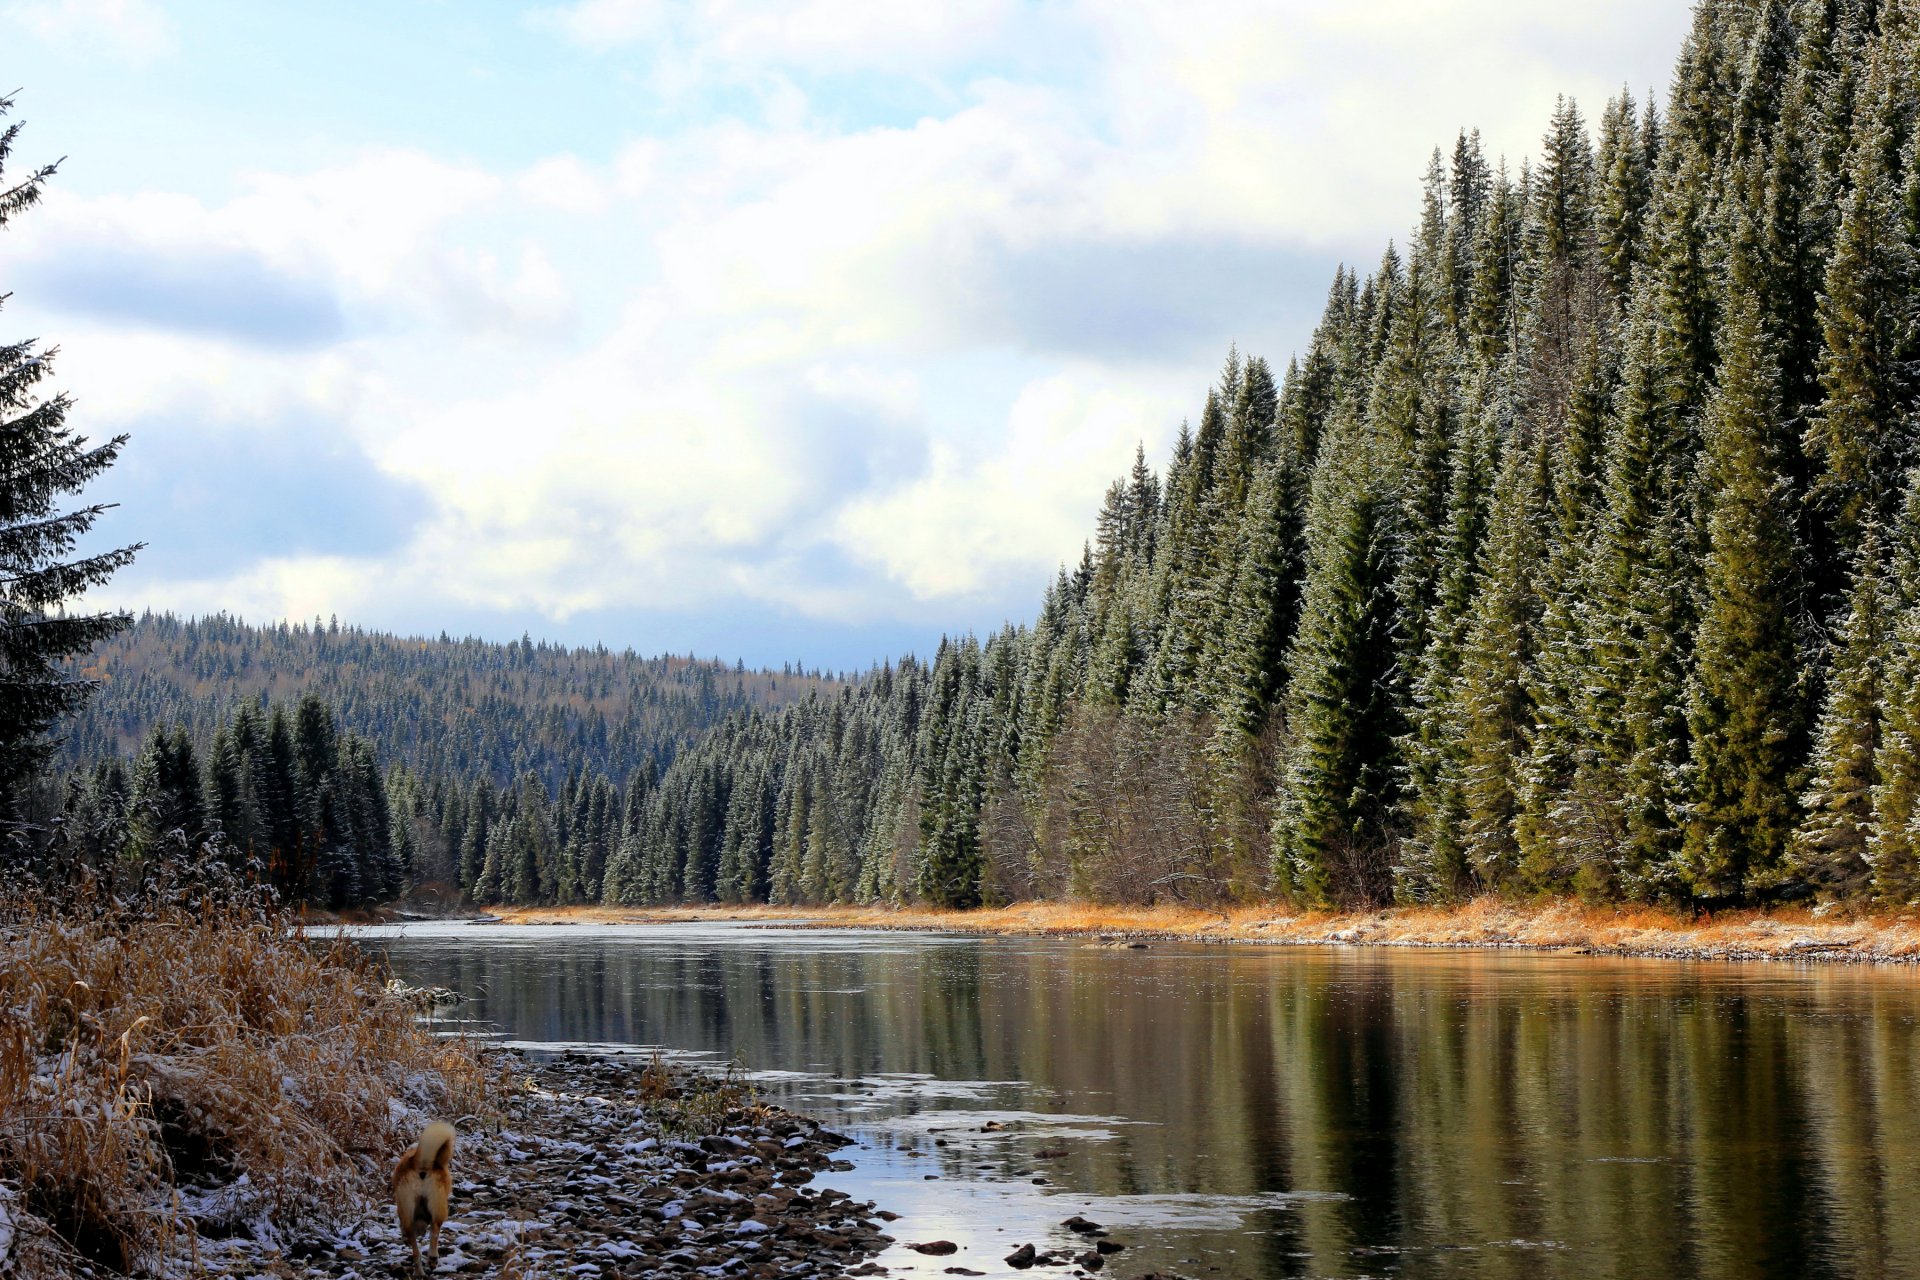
[[41, 461]]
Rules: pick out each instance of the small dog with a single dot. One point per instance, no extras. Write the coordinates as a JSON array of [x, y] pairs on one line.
[[422, 1183]]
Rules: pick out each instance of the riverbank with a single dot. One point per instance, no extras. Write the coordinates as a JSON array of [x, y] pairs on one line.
[[181, 1071], [195, 1089], [1794, 934], [607, 1166]]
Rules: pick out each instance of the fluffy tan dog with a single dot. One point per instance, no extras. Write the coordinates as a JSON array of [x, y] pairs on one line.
[[422, 1183]]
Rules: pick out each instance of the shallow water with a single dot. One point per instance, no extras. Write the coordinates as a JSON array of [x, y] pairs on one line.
[[1247, 1111]]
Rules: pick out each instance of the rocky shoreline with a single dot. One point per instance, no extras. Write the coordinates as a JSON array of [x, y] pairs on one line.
[[610, 1167]]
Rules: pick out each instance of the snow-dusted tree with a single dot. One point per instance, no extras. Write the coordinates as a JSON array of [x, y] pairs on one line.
[[41, 462], [1744, 703], [1831, 846], [1337, 822]]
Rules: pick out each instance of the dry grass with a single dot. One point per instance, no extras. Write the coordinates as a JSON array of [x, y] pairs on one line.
[[182, 1071], [1794, 933]]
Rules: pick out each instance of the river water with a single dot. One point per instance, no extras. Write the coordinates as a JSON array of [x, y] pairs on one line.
[[1253, 1112]]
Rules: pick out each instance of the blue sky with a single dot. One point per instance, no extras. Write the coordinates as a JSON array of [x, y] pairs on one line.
[[791, 331]]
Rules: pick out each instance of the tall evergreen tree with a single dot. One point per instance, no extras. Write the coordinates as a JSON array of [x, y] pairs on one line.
[[1744, 709], [1831, 847], [1335, 832], [41, 462], [1862, 437]]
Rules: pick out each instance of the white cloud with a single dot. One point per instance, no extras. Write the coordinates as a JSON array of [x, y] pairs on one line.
[[605, 23], [132, 31], [369, 236], [565, 183], [1017, 509]]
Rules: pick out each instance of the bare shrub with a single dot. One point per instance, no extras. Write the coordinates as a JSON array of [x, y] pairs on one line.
[[1012, 867], [1128, 812]]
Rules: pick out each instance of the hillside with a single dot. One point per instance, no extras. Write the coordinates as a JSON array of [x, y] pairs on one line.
[[449, 708]]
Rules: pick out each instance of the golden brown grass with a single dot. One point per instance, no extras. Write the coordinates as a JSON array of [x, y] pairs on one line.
[[178, 1071], [1554, 924]]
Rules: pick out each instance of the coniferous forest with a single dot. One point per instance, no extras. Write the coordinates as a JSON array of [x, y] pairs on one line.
[[1577, 553], [346, 763]]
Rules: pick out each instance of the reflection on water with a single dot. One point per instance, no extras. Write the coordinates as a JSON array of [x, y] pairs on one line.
[[1280, 1112]]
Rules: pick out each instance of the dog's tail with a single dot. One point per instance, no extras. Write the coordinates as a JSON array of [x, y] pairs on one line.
[[436, 1146]]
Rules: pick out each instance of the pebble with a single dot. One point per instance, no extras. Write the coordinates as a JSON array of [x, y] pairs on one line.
[[579, 1176]]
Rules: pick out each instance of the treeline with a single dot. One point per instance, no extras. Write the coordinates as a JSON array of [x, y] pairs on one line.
[[282, 794], [348, 767], [459, 709], [1578, 552], [286, 796]]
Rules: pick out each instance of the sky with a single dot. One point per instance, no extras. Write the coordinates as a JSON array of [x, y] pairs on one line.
[[784, 330]]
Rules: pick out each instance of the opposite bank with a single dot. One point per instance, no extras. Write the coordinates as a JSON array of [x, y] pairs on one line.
[[1563, 927]]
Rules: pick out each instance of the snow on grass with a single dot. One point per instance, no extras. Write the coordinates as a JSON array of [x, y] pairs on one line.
[[179, 1080]]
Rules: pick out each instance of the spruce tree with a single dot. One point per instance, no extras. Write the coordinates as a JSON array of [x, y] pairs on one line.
[[1861, 439], [1497, 656], [1893, 840], [1625, 177], [1432, 864], [1744, 714], [227, 803], [1831, 849], [42, 461], [1263, 602], [1336, 827], [167, 811]]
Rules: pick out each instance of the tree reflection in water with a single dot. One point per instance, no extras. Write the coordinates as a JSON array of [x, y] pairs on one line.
[[1281, 1112]]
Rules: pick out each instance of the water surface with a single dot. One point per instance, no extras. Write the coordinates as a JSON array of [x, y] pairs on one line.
[[1257, 1112]]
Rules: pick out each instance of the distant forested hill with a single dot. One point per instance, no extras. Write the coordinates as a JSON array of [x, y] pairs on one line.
[[447, 708]]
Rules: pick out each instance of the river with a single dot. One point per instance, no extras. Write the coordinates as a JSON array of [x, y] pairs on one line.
[[1262, 1112]]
